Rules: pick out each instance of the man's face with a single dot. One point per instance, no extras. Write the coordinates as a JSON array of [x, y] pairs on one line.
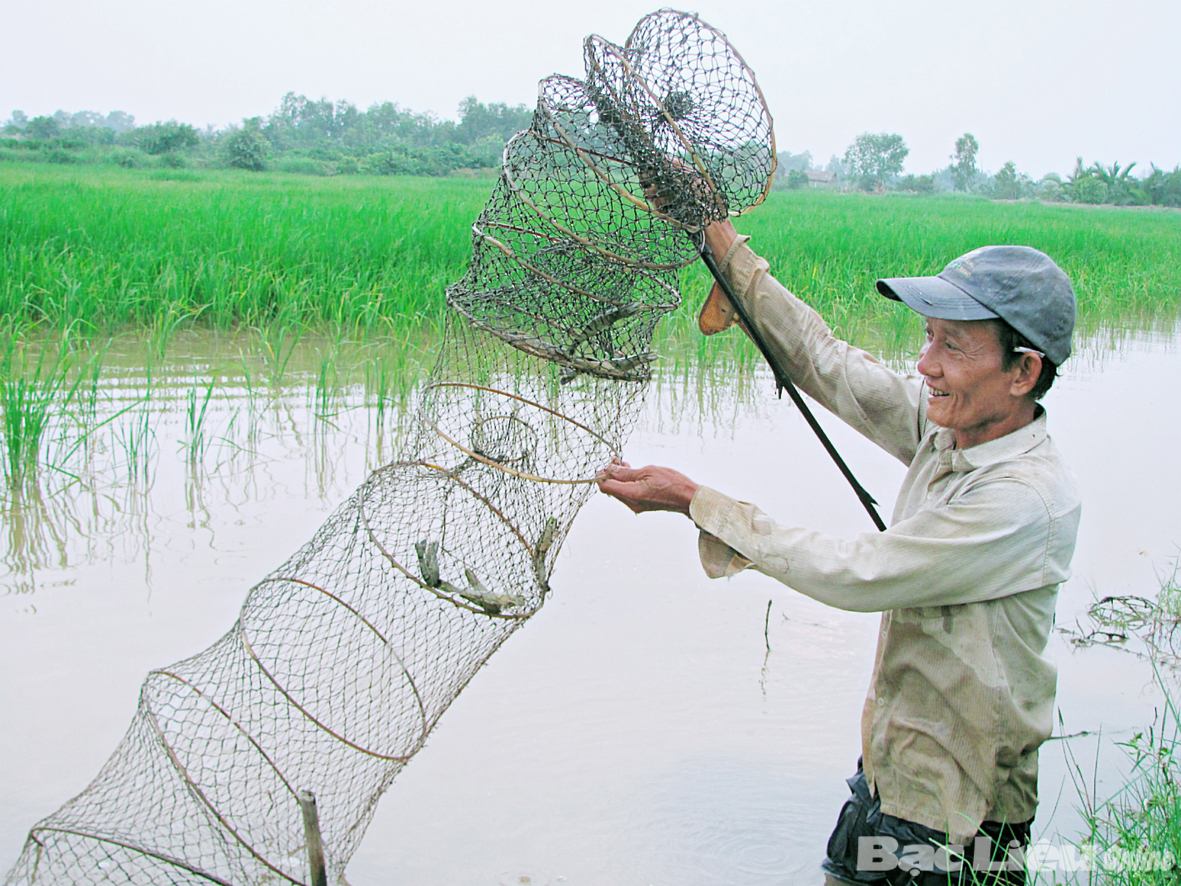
[[968, 390]]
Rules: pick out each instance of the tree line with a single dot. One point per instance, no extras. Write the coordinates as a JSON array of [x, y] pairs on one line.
[[301, 135], [328, 138], [874, 162]]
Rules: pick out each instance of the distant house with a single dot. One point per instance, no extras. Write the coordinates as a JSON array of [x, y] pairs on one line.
[[818, 178]]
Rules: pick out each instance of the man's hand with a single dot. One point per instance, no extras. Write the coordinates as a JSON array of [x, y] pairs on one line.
[[720, 236], [650, 488]]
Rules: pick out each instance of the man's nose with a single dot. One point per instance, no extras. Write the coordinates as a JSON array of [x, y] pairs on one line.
[[925, 364]]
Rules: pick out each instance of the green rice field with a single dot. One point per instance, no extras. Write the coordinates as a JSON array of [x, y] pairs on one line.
[[97, 250], [340, 281]]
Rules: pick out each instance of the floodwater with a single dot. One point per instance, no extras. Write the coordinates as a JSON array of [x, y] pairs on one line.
[[637, 731]]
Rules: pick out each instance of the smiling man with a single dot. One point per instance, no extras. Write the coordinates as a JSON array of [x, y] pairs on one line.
[[967, 574]]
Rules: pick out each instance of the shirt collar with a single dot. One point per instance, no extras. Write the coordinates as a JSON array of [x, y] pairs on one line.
[[982, 455]]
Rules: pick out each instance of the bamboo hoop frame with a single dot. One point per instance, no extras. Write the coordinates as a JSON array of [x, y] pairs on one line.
[[242, 632], [622, 370], [35, 833], [674, 297], [594, 42], [199, 795], [524, 475], [519, 192]]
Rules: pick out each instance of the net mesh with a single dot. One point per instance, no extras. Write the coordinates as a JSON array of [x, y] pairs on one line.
[[345, 656]]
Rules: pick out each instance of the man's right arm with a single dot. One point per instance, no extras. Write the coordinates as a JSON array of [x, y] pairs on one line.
[[879, 403]]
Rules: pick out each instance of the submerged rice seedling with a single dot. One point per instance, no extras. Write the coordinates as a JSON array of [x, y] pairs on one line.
[[278, 341], [162, 327], [29, 401], [136, 439], [196, 412], [327, 389]]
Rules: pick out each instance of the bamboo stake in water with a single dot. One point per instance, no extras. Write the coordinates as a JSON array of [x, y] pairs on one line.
[[315, 843]]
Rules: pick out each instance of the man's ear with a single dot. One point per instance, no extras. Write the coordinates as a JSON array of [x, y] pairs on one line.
[[1026, 371]]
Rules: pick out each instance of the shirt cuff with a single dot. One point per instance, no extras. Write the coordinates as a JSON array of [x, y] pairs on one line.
[[742, 266], [707, 510], [739, 241]]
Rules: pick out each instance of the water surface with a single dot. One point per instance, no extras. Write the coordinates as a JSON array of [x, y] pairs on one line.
[[637, 731]]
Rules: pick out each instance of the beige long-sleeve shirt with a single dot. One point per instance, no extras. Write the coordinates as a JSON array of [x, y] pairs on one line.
[[966, 577]]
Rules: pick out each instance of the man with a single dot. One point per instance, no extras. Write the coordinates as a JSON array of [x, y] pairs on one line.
[[967, 574]]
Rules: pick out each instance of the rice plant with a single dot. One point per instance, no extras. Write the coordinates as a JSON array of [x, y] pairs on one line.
[[30, 398], [196, 413], [109, 249], [136, 440]]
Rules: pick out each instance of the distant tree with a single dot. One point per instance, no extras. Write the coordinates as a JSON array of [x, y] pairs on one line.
[[1163, 188], [246, 148], [165, 138], [1049, 187], [119, 121], [836, 167], [787, 161], [81, 119], [300, 122], [43, 129], [944, 179], [796, 179], [479, 121], [1083, 187], [875, 158], [1099, 184], [17, 122], [1006, 184], [963, 167], [386, 122], [1122, 188], [920, 184]]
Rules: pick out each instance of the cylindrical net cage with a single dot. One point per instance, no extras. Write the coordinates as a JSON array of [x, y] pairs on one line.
[[346, 655]]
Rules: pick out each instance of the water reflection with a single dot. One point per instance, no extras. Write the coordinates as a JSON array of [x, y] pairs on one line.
[[34, 536], [120, 455], [112, 478]]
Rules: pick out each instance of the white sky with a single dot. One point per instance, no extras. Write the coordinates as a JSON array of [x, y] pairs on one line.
[[1037, 81]]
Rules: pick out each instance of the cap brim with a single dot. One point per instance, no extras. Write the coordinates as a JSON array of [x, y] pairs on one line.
[[934, 297]]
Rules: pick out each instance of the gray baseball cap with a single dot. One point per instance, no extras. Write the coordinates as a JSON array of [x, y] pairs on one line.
[[1017, 284]]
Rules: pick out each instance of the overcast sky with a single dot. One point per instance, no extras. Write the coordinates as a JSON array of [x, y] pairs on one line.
[[1037, 81]]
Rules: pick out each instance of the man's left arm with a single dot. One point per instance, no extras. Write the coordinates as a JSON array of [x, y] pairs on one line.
[[997, 538]]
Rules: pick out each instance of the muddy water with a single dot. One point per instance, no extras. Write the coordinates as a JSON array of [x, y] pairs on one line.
[[637, 731]]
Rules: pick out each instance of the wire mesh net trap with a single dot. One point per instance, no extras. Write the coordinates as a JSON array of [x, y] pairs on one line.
[[345, 656]]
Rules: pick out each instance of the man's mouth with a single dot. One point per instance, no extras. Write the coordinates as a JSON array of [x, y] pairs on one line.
[[935, 392]]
